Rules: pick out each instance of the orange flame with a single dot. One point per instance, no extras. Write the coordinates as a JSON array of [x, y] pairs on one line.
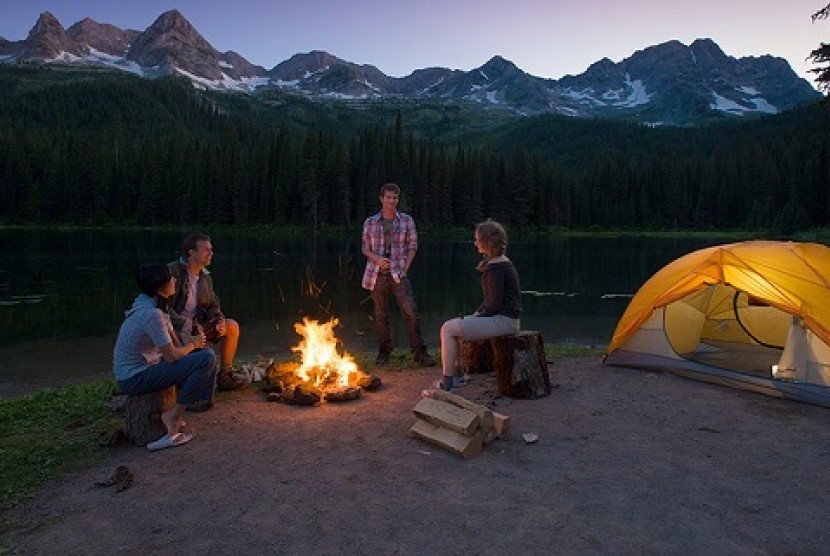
[[322, 365]]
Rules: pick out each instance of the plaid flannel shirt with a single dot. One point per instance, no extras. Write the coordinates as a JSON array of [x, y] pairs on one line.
[[404, 241]]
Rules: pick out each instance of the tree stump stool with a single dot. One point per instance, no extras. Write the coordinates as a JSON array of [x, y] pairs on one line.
[[477, 357], [520, 365], [142, 415]]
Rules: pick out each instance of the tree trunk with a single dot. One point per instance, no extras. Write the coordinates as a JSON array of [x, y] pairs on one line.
[[142, 415], [477, 357], [520, 365]]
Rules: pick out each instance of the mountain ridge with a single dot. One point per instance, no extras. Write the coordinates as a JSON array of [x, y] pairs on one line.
[[665, 84]]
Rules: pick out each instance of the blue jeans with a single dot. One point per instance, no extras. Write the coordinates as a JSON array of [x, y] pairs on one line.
[[402, 291], [194, 374]]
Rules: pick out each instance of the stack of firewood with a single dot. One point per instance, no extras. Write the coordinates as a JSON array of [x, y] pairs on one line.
[[457, 424]]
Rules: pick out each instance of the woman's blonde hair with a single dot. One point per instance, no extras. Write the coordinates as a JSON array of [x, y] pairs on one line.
[[493, 239]]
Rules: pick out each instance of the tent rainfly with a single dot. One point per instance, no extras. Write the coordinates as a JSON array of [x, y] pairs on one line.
[[753, 315]]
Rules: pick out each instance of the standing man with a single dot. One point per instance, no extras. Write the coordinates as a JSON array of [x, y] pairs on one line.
[[389, 244], [195, 302]]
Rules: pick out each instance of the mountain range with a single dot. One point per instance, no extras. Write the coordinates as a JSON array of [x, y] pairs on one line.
[[666, 84]]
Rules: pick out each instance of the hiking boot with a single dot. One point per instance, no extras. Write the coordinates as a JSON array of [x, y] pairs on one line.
[[226, 381], [461, 381], [382, 358], [460, 378], [424, 360], [446, 384], [199, 407]]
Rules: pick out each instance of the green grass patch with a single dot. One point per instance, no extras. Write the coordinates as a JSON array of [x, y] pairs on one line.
[[52, 432]]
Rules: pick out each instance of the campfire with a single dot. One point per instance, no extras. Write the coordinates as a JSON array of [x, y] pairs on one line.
[[323, 374]]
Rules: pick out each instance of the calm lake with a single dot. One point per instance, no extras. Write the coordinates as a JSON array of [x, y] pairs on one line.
[[63, 293]]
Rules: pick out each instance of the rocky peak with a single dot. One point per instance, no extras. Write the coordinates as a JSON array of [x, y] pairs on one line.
[[321, 73], [708, 55], [668, 54], [48, 40], [170, 44], [601, 69], [237, 67], [102, 37], [708, 47], [300, 66], [498, 67], [172, 21], [46, 24], [7, 47]]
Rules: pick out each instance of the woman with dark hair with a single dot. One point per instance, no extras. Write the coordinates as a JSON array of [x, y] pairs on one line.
[[149, 357], [499, 313]]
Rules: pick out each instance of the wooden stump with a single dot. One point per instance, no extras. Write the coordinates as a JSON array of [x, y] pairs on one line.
[[477, 357], [520, 365], [142, 415]]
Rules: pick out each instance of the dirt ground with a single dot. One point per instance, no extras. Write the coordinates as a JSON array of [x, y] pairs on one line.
[[627, 462]]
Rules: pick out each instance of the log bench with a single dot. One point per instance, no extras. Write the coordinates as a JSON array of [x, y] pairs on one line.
[[518, 361], [142, 415]]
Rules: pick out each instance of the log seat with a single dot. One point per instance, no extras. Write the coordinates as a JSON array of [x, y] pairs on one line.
[[518, 361], [142, 415]]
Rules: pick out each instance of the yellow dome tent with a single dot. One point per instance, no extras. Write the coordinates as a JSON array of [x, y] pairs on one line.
[[753, 315]]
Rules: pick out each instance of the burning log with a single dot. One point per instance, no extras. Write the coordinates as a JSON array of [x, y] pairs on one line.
[[301, 394], [284, 384], [324, 374], [457, 424], [342, 394], [370, 383]]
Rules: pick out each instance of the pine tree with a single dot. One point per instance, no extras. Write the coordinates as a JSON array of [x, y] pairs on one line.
[[821, 55]]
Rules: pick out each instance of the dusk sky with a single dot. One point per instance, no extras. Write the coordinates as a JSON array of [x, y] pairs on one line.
[[546, 38]]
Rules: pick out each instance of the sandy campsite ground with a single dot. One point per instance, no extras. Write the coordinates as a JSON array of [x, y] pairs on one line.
[[627, 462]]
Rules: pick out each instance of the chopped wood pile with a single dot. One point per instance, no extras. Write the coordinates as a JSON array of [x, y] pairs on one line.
[[457, 424]]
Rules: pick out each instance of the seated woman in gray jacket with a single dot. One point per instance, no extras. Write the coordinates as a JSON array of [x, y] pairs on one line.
[[498, 314], [149, 357]]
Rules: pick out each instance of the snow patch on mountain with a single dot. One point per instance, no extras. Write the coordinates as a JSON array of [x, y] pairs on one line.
[[245, 85], [727, 105], [371, 86], [310, 74], [761, 105], [585, 97], [117, 62], [293, 84], [638, 95]]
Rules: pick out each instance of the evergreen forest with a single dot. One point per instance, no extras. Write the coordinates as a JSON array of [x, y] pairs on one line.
[[94, 147]]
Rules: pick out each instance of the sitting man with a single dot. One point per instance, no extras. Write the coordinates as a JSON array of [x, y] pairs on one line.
[[195, 304]]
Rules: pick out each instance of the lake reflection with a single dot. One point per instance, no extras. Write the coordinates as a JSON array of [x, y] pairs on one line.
[[63, 293]]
